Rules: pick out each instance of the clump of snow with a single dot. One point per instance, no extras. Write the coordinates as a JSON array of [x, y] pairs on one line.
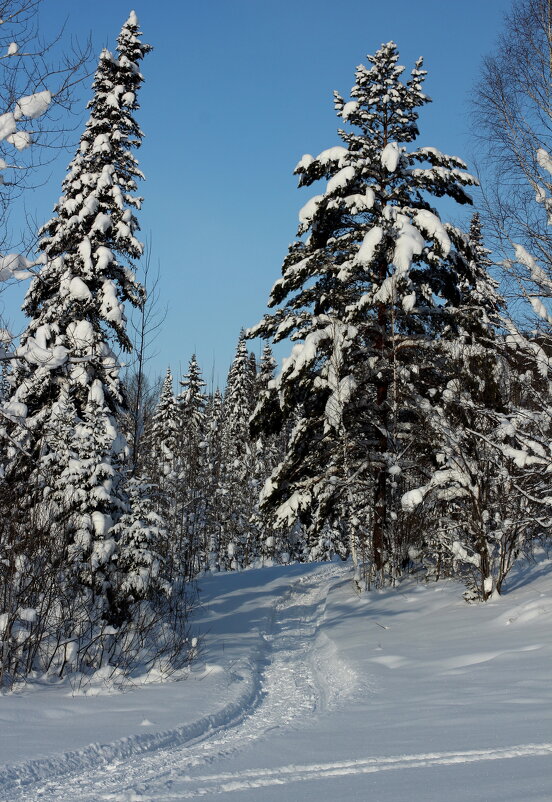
[[412, 499], [20, 139], [14, 410], [33, 106], [96, 393], [309, 209], [102, 223], [8, 125], [102, 552], [462, 555], [304, 162], [371, 240], [104, 257], [360, 203], [28, 614], [79, 290], [432, 227], [538, 307], [89, 206], [349, 108], [528, 260], [102, 523], [337, 402], [14, 265], [13, 49], [409, 302], [544, 160], [408, 244], [390, 156], [36, 354], [336, 154], [340, 179], [81, 333]]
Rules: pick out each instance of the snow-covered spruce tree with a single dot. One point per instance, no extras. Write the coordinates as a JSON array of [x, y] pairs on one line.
[[163, 436], [192, 478], [192, 399], [475, 522], [162, 465], [75, 306], [275, 543], [141, 537], [237, 501], [366, 295], [214, 504]]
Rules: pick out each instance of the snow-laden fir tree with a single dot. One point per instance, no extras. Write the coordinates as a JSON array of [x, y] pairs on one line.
[[192, 478], [192, 399], [214, 504], [163, 438], [77, 320], [268, 449], [366, 294], [237, 496], [162, 467], [142, 547], [474, 523]]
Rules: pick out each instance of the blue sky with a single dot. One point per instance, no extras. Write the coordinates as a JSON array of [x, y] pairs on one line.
[[236, 91]]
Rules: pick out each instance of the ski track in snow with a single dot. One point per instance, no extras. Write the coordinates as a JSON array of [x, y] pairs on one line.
[[290, 681], [283, 775]]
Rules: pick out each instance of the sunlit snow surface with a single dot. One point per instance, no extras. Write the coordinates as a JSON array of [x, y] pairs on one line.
[[306, 691]]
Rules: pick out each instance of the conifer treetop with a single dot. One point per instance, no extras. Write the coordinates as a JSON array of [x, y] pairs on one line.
[[374, 223], [76, 304]]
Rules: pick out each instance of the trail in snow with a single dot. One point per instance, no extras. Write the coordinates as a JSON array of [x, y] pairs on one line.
[[284, 775], [293, 683]]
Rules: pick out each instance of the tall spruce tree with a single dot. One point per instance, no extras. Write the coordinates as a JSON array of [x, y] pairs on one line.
[[214, 473], [237, 498], [477, 523], [192, 477], [268, 450], [77, 322], [366, 296], [163, 439]]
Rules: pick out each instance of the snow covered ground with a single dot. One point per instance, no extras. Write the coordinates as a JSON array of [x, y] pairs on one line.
[[304, 691]]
